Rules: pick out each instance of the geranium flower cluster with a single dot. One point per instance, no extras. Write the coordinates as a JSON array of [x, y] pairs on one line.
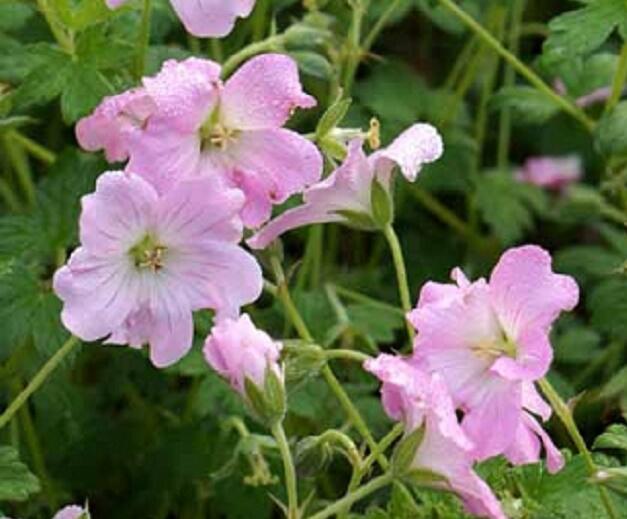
[[207, 158], [205, 18], [479, 349]]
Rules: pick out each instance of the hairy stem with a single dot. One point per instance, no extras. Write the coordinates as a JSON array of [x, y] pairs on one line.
[[290, 472], [348, 500], [401, 274], [38, 380], [522, 69], [618, 84], [505, 122], [565, 415], [272, 43]]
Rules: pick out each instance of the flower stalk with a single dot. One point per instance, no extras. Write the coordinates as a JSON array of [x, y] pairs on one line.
[[290, 472]]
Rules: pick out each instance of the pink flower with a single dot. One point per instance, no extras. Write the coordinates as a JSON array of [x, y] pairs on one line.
[[490, 341], [554, 173], [419, 399], [147, 261], [205, 18], [238, 350], [201, 127], [72, 512], [347, 191], [211, 18], [112, 124]]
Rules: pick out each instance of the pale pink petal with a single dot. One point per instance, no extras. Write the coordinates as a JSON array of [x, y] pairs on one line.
[[269, 166], [346, 189], [263, 93], [116, 215], [97, 293], [596, 96], [185, 92], [164, 156], [533, 359], [420, 144], [71, 512], [197, 208], [532, 401], [113, 122], [172, 328], [554, 458], [211, 18], [526, 293], [493, 417], [223, 276]]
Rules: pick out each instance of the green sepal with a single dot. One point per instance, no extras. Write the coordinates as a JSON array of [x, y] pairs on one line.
[[405, 451], [382, 205], [357, 220]]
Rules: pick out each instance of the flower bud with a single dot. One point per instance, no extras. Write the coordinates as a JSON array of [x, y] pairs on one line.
[[249, 359]]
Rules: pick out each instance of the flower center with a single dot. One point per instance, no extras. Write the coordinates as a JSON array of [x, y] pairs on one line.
[[213, 134], [496, 347], [148, 253]]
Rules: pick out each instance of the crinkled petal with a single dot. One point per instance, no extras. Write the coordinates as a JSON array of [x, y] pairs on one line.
[[420, 144], [211, 18], [113, 122], [493, 416], [554, 458], [269, 166], [185, 92], [164, 156], [116, 215], [526, 293], [97, 293], [263, 93]]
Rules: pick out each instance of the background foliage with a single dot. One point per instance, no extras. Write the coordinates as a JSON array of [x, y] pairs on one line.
[[138, 442]]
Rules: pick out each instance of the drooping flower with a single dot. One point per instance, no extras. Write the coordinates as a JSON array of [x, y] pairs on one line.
[[419, 399], [238, 350], [553, 173], [146, 261], [201, 127], [490, 342], [347, 191], [72, 512], [205, 18]]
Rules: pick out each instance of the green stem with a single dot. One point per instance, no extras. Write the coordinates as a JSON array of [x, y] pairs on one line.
[[65, 41], [296, 319], [273, 43], [290, 473], [8, 196], [38, 380], [522, 69], [367, 300], [563, 412], [354, 51], [619, 80], [143, 41], [401, 274], [448, 217], [34, 148], [505, 122], [353, 497], [379, 25], [460, 63], [357, 356]]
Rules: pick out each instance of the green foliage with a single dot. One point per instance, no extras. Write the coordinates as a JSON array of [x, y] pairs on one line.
[[16, 481], [508, 206], [611, 134], [528, 105], [585, 29]]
